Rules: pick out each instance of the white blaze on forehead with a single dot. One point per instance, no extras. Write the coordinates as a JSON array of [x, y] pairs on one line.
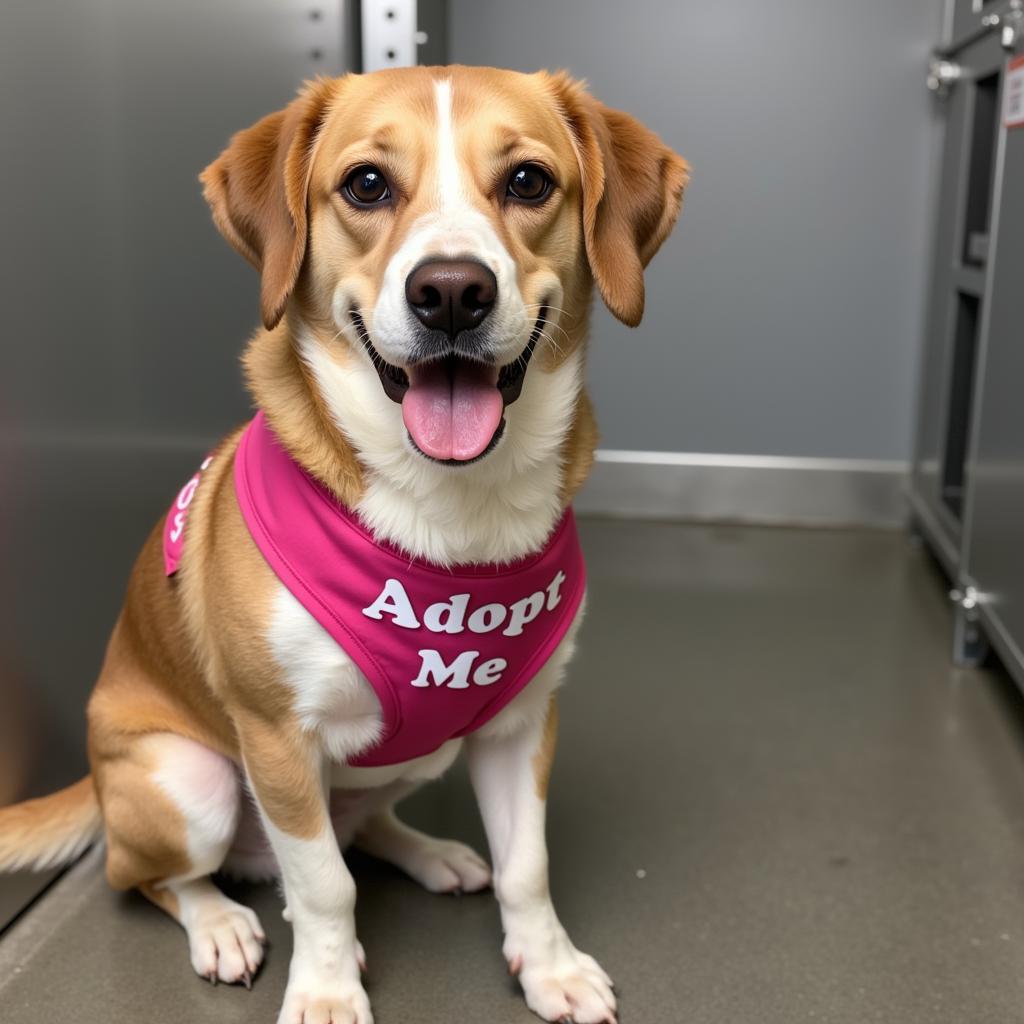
[[449, 174], [457, 225]]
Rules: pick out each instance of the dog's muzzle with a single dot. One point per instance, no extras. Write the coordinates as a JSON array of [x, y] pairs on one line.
[[453, 405]]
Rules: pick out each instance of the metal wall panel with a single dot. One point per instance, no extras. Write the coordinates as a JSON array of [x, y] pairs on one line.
[[124, 315], [993, 557], [784, 313], [967, 486], [955, 289]]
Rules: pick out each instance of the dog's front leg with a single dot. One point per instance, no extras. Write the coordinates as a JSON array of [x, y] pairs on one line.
[[286, 774], [510, 776]]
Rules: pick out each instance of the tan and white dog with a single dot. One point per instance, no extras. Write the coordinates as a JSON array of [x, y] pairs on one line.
[[401, 221]]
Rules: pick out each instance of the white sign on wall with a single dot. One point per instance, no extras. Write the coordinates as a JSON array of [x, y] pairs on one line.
[[1013, 93]]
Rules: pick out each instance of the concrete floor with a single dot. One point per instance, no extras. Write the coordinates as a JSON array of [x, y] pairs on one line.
[[774, 801]]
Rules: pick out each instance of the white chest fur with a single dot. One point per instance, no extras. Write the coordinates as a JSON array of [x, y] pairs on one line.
[[332, 697]]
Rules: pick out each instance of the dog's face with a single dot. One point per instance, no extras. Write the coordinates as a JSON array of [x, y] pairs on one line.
[[433, 234]]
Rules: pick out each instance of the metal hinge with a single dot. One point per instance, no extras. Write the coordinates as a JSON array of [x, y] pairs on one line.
[[967, 600], [1008, 21], [1012, 25], [970, 648], [942, 74]]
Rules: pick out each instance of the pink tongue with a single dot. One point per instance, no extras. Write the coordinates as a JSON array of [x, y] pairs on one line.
[[452, 415]]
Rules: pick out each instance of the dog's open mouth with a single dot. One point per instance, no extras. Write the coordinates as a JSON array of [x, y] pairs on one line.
[[453, 407]]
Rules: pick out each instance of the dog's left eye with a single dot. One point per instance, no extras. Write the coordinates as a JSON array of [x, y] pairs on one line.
[[529, 183], [366, 186]]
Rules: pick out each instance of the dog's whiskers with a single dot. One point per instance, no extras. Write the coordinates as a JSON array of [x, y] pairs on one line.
[[559, 327], [551, 341], [545, 305]]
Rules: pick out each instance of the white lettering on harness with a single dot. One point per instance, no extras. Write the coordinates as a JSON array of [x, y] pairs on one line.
[[185, 496], [451, 617], [456, 675]]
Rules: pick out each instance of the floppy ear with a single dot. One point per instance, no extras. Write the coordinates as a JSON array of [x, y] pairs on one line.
[[632, 193], [258, 189]]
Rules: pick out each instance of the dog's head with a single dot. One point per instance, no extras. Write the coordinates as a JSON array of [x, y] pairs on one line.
[[433, 234]]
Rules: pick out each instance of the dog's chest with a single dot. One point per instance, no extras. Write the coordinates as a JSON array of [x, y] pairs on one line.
[[444, 648], [334, 700]]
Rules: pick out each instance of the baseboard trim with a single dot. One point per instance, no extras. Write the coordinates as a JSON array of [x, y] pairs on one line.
[[756, 489], [683, 486]]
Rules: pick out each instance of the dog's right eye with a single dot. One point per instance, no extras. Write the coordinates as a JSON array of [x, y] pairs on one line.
[[366, 186], [529, 184]]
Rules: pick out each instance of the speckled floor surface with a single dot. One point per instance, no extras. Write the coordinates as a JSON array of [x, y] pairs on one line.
[[774, 801]]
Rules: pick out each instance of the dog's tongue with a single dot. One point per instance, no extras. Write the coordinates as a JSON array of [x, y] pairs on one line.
[[452, 408]]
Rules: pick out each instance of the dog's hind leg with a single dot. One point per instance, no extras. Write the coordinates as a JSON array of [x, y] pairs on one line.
[[171, 807], [439, 865]]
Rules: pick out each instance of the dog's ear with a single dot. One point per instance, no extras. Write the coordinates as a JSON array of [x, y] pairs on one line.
[[632, 193], [258, 189]]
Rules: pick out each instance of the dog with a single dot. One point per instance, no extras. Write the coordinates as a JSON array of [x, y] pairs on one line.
[[381, 568]]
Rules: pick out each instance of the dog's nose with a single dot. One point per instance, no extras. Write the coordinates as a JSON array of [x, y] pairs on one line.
[[451, 295]]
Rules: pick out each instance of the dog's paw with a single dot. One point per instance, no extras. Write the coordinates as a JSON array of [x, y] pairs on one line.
[[444, 865], [226, 943], [343, 1003], [571, 986]]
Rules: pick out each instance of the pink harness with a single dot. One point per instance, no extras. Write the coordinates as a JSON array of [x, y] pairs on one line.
[[444, 649]]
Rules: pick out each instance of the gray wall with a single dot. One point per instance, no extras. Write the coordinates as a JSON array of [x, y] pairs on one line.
[[123, 308], [784, 315], [124, 313]]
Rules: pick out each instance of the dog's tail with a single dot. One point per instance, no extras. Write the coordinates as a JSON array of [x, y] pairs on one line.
[[51, 831]]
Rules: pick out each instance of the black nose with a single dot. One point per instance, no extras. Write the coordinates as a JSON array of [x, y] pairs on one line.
[[451, 295]]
